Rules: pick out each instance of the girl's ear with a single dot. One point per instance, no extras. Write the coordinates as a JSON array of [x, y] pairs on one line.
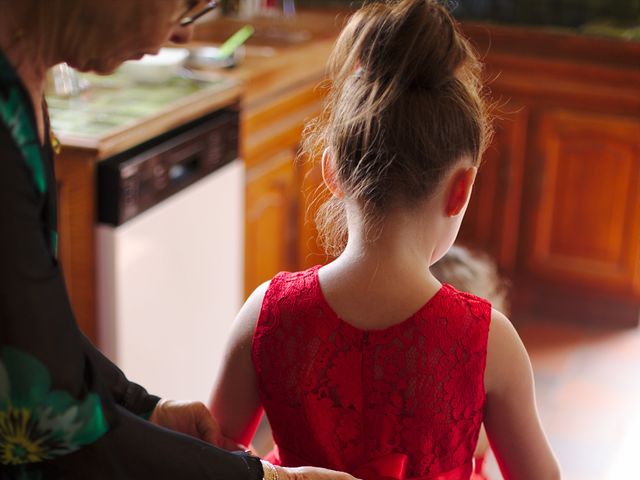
[[460, 190], [329, 173]]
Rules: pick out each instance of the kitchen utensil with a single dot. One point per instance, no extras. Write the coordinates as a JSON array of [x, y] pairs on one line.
[[226, 55], [234, 41], [189, 20]]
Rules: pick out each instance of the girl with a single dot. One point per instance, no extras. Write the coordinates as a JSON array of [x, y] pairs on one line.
[[369, 364]]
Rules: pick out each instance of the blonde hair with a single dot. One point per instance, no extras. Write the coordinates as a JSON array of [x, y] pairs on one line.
[[45, 21], [78, 30], [404, 107]]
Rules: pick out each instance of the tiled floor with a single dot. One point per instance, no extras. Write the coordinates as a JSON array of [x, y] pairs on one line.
[[588, 392]]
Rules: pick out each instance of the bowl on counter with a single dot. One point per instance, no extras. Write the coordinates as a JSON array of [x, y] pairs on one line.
[[206, 57], [158, 68]]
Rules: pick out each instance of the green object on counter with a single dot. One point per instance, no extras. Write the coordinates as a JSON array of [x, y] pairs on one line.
[[234, 41]]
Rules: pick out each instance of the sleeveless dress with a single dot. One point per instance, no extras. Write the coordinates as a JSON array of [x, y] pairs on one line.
[[405, 402]]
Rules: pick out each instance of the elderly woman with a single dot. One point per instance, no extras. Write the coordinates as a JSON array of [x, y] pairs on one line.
[[65, 410]]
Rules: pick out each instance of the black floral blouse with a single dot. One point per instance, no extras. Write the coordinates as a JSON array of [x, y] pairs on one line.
[[66, 411]]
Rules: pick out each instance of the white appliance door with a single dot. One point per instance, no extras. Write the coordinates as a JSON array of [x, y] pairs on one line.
[[170, 284]]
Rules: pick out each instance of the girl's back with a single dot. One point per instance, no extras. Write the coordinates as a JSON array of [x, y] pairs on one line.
[[342, 397]]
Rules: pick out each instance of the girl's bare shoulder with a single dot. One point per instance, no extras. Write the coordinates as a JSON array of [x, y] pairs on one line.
[[507, 357]]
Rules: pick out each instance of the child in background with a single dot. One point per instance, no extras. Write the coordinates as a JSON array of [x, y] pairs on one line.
[[369, 364], [473, 272]]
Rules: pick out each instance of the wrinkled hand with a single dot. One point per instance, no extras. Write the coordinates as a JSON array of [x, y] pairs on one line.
[[191, 418], [311, 473]]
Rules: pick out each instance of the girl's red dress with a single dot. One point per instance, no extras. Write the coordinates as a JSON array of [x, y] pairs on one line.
[[403, 402]]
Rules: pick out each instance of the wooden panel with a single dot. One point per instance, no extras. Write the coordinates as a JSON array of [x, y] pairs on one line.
[[291, 105], [279, 124], [557, 44], [586, 200], [271, 219], [492, 220], [313, 194], [76, 216], [277, 235]]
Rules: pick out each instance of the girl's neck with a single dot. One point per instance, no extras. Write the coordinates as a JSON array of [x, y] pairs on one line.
[[403, 239], [22, 49], [380, 280]]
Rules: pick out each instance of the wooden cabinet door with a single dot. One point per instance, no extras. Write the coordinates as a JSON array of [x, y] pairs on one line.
[[584, 194], [271, 219], [313, 195], [276, 233], [491, 223]]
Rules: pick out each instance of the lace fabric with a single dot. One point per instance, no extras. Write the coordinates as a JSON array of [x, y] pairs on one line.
[[339, 397]]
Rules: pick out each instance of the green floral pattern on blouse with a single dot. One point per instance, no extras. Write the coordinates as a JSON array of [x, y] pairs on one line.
[[15, 114], [37, 423]]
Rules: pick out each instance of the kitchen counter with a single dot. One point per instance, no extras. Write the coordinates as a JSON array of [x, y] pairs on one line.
[[114, 115]]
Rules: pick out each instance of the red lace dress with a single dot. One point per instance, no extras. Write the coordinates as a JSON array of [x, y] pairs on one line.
[[403, 402]]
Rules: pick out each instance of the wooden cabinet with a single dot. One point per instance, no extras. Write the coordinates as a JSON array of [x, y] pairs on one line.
[[277, 236], [271, 219], [557, 201], [583, 223], [311, 196], [76, 216]]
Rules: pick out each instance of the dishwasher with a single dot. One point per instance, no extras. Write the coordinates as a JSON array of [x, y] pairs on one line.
[[169, 247]]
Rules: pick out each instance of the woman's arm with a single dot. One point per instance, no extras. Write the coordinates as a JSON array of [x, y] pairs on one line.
[[235, 402], [50, 371], [511, 417], [126, 393]]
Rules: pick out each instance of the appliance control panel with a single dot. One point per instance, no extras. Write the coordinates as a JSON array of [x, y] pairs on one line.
[[135, 180]]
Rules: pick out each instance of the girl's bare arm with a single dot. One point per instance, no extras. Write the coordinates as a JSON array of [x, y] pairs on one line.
[[511, 417], [235, 402]]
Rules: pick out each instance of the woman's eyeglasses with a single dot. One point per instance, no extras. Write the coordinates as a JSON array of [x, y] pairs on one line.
[[192, 18]]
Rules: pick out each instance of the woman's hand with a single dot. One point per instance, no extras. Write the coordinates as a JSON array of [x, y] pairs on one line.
[[311, 473], [191, 418]]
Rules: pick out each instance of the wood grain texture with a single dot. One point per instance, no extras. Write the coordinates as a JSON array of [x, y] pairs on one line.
[[275, 225], [76, 219], [270, 223]]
